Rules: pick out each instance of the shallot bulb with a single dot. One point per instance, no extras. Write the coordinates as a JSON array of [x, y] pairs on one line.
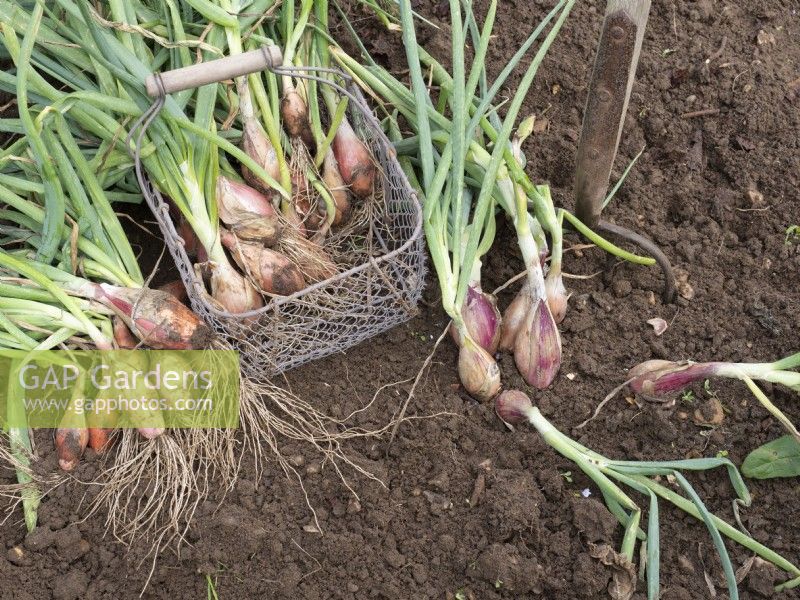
[[175, 288], [272, 271], [556, 297], [233, 291], [100, 439], [537, 348], [123, 336], [514, 317], [70, 444], [150, 433], [155, 317], [662, 377], [481, 318], [257, 146], [356, 165], [294, 113], [513, 406], [477, 370], [337, 187], [247, 212]]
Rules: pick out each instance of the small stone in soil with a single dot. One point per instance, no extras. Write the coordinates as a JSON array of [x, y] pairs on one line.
[[709, 413], [18, 556], [622, 287], [394, 559]]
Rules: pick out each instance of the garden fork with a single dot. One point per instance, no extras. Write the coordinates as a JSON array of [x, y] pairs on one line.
[[606, 105]]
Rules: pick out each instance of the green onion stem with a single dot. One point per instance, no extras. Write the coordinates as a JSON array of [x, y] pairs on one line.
[[634, 474], [603, 243], [22, 451], [34, 274], [53, 194]]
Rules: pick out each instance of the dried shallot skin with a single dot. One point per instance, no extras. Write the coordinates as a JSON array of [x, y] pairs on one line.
[[272, 271]]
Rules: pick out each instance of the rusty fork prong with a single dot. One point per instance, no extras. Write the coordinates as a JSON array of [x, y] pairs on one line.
[[651, 248]]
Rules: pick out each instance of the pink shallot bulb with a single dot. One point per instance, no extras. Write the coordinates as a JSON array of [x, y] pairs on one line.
[[257, 146], [247, 212], [537, 349], [356, 165], [481, 318], [556, 297], [513, 406], [514, 317]]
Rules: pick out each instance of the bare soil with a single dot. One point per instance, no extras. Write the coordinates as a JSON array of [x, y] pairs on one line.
[[717, 192]]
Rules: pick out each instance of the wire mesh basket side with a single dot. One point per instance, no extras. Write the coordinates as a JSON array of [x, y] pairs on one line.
[[380, 291]]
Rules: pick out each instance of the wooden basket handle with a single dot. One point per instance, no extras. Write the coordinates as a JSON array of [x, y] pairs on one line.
[[229, 67]]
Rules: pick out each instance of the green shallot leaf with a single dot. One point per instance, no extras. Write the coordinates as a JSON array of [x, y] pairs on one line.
[[653, 549], [32, 272], [603, 243], [53, 194], [621, 180], [419, 89], [773, 410], [22, 449], [727, 567]]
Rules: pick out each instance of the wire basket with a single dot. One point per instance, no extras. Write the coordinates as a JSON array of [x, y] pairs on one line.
[[382, 271]]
